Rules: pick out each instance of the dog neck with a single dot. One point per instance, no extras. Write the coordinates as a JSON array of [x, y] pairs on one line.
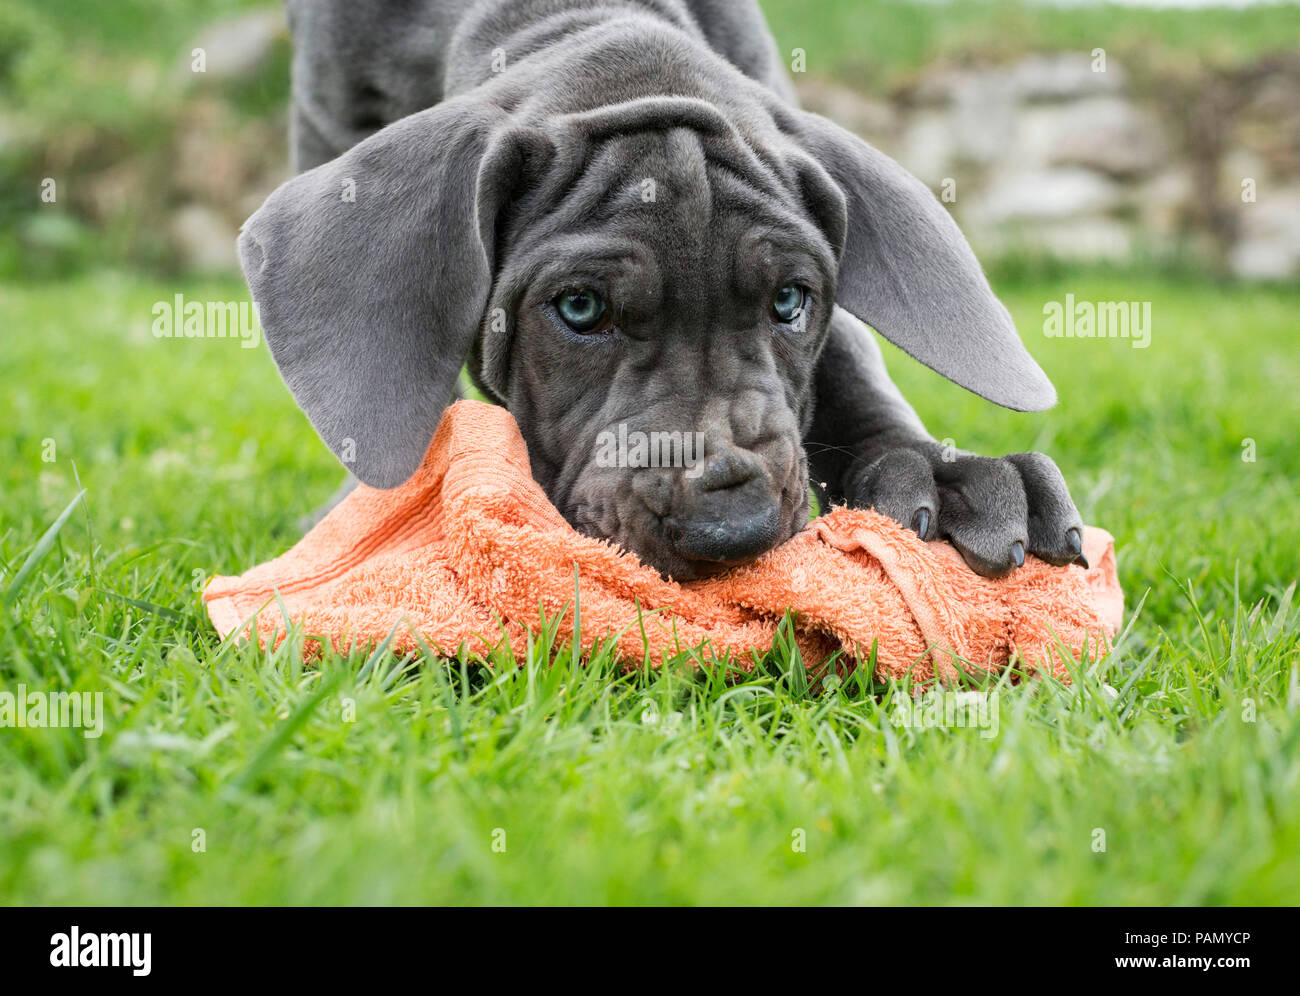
[[627, 49]]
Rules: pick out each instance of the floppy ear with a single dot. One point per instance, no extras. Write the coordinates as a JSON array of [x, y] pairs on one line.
[[907, 271], [371, 273]]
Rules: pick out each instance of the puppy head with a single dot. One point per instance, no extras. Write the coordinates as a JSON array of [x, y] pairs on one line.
[[646, 286], [658, 317]]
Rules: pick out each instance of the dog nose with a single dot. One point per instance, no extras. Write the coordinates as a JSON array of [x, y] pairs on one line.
[[727, 515]]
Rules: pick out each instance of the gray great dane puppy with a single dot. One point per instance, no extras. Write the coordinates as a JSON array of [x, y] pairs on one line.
[[614, 212]]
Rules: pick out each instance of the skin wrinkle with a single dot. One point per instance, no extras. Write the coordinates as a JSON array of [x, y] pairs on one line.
[[739, 404]]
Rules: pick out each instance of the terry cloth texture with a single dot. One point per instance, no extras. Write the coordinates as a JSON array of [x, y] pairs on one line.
[[469, 552]]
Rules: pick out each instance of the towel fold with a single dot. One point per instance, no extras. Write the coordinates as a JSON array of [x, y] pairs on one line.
[[471, 552]]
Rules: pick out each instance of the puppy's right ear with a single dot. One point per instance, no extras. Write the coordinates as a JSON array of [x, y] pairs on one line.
[[371, 273]]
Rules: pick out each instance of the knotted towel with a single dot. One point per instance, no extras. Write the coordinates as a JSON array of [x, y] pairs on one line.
[[469, 552]]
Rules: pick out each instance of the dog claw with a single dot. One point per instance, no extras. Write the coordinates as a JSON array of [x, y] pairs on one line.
[[921, 522], [1082, 561], [1074, 541], [1018, 553]]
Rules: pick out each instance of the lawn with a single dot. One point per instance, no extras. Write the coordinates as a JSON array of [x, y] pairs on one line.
[[229, 775]]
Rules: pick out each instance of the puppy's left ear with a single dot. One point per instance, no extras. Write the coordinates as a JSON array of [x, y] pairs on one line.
[[906, 270]]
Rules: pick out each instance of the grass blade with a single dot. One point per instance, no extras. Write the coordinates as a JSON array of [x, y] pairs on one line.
[[41, 549]]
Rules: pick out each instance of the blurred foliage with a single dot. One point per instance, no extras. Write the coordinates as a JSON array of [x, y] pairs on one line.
[[95, 94], [879, 44]]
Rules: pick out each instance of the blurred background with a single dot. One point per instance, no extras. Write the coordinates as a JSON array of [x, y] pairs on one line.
[[1159, 136]]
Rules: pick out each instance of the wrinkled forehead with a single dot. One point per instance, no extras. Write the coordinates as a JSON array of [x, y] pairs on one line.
[[688, 203]]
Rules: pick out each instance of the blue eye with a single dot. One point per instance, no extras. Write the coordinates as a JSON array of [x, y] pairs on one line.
[[789, 302], [582, 310]]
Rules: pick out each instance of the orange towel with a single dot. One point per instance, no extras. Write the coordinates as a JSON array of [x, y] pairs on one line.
[[469, 551]]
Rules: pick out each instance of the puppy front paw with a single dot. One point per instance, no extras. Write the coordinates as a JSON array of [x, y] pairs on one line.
[[994, 510]]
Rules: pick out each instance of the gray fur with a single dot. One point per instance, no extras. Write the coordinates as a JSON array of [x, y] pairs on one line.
[[500, 152]]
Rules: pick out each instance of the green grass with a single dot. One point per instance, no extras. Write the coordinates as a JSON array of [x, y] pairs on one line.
[[879, 43], [667, 787]]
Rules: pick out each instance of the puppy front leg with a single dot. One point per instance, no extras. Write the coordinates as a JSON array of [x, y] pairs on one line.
[[867, 448]]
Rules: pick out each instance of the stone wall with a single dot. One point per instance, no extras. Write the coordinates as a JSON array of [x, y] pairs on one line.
[[1054, 155]]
